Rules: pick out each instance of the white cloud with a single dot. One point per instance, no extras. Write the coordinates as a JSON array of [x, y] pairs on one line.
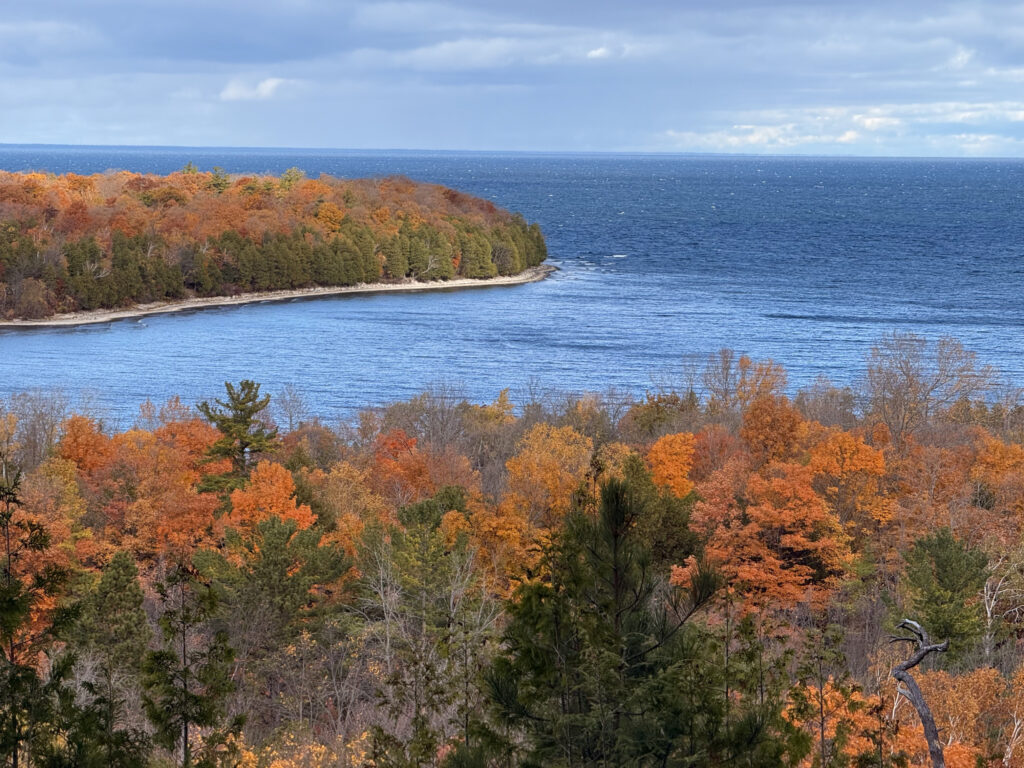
[[757, 138], [240, 90], [961, 58], [503, 51], [993, 127], [876, 122]]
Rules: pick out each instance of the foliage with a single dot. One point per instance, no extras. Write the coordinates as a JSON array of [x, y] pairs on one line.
[[945, 577], [113, 623], [187, 679], [111, 240], [600, 654], [243, 433], [438, 582]]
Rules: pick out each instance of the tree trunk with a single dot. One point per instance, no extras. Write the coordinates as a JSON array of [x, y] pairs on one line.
[[902, 673]]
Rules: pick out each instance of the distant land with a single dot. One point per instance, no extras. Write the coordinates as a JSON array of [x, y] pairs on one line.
[[79, 249]]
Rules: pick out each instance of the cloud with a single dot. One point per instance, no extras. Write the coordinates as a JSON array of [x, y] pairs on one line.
[[51, 34], [758, 138], [240, 90], [505, 52], [877, 122], [961, 58], [847, 76], [31, 42], [873, 129]]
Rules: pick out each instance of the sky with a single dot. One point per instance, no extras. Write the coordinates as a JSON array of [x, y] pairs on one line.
[[843, 77]]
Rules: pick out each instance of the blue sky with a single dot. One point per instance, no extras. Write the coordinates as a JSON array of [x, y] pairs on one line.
[[860, 77]]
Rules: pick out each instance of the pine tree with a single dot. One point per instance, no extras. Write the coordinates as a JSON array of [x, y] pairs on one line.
[[244, 435], [187, 680], [113, 622], [273, 582], [24, 701], [945, 577], [113, 627], [595, 661], [426, 597], [84, 734]]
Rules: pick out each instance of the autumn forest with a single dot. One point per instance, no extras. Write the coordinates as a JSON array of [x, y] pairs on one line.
[[71, 243], [716, 574]]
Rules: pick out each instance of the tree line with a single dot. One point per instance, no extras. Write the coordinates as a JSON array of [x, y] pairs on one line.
[[710, 575], [112, 240]]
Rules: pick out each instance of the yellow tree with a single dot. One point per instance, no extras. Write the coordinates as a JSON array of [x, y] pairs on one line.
[[346, 502], [848, 473], [772, 429], [670, 460], [270, 493], [549, 467]]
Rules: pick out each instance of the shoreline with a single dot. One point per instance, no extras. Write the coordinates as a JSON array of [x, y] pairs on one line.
[[90, 317]]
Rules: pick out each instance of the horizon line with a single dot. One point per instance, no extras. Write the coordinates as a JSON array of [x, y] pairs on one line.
[[524, 152]]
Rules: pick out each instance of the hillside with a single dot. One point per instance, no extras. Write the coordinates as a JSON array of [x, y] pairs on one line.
[[563, 581], [72, 243]]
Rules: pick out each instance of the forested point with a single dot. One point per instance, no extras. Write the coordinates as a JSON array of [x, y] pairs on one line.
[[716, 574], [113, 240]]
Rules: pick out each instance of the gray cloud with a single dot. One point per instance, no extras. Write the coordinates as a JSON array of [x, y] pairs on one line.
[[736, 75]]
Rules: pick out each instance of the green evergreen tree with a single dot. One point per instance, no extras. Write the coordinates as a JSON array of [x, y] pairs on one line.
[[476, 255], [82, 728], [664, 521], [272, 586], [395, 260], [605, 663], [114, 629], [945, 577], [426, 601], [219, 180], [25, 698], [187, 681], [589, 647], [290, 178], [243, 434], [113, 622]]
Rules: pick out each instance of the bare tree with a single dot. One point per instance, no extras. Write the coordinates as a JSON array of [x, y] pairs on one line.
[[910, 690], [721, 379], [292, 406], [1002, 596], [39, 418], [732, 383], [827, 404], [910, 381]]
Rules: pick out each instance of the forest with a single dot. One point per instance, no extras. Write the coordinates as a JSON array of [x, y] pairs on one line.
[[71, 243], [726, 571]]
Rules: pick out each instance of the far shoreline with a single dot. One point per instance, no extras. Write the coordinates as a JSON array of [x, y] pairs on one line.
[[96, 316]]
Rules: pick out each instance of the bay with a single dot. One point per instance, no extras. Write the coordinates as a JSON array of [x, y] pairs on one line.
[[662, 260]]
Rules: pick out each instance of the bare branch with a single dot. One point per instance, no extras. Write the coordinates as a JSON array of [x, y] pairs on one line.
[[910, 689]]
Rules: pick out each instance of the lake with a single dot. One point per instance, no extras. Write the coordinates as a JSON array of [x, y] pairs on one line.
[[662, 260]]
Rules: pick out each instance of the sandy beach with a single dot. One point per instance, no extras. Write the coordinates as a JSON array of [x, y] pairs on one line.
[[531, 275]]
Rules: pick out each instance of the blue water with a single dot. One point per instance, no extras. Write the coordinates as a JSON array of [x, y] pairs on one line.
[[662, 260]]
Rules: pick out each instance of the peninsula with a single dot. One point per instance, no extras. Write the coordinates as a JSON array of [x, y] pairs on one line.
[[95, 316], [80, 249]]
